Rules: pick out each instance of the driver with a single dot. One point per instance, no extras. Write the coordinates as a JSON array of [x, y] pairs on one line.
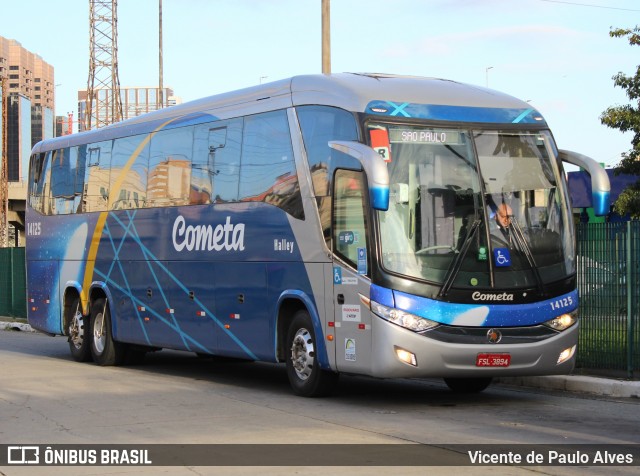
[[503, 232]]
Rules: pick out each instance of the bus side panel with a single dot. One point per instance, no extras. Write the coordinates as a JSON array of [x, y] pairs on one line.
[[165, 305], [244, 310], [192, 315], [43, 306], [55, 254], [139, 304]]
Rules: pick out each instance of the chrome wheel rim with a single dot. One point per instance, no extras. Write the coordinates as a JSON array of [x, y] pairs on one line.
[[99, 337], [303, 354], [76, 330]]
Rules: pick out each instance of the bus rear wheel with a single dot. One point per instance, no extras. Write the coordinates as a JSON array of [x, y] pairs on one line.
[[104, 349], [303, 369], [468, 385], [78, 332]]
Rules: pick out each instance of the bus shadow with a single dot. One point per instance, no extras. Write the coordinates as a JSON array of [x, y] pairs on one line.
[[272, 378]]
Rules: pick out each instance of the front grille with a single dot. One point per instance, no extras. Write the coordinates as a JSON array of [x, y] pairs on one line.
[[478, 335]]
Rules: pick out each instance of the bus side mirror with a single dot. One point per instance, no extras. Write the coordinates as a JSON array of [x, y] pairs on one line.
[[600, 186], [374, 167]]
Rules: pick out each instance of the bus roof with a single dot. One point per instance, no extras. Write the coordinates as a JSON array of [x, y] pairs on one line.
[[351, 91]]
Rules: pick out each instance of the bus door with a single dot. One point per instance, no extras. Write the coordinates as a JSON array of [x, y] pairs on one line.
[[350, 269]]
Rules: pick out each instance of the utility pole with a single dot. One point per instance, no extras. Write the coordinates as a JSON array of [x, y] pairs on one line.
[[103, 86], [4, 174], [326, 36], [160, 85]]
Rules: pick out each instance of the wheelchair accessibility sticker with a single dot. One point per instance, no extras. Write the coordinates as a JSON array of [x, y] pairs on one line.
[[501, 257], [338, 278]]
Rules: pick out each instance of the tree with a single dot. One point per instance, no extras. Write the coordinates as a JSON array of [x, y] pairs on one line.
[[626, 118]]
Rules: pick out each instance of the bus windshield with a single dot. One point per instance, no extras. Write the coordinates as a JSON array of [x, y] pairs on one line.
[[473, 208]]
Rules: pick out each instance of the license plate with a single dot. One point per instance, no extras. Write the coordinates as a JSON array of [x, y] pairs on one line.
[[493, 360]]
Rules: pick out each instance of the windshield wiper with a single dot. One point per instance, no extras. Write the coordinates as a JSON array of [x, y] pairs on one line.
[[526, 250], [454, 269]]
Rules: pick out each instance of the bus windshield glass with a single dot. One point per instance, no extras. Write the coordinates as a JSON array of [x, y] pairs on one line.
[[473, 208]]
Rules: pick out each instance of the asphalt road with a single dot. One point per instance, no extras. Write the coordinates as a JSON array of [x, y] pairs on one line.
[[178, 398]]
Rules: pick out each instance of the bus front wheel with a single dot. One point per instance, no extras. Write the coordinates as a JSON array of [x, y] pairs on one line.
[[468, 385], [303, 369], [104, 349], [78, 332]]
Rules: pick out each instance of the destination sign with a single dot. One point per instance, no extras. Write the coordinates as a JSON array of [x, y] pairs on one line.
[[424, 136]]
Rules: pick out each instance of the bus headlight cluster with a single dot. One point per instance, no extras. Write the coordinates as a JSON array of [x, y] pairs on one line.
[[403, 319], [562, 322]]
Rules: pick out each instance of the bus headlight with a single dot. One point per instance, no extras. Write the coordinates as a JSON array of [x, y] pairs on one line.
[[404, 319], [562, 322]]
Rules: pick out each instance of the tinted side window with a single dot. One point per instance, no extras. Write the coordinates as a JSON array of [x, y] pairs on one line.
[[268, 171], [96, 176], [215, 171], [128, 184], [39, 180], [169, 180], [81, 169], [349, 216], [62, 181], [321, 124]]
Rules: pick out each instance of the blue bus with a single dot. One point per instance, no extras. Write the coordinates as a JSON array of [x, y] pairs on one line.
[[364, 224]]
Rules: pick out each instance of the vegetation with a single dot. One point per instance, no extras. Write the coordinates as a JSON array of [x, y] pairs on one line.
[[626, 118]]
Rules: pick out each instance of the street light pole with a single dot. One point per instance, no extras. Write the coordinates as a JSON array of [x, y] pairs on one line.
[[326, 37], [486, 72]]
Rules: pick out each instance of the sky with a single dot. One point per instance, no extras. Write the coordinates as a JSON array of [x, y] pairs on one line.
[[557, 55]]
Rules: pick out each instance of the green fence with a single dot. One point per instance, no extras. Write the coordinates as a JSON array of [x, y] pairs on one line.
[[13, 283], [608, 280]]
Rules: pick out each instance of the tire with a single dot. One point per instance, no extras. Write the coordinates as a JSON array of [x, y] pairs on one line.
[[104, 349], [306, 377], [79, 334], [468, 385]]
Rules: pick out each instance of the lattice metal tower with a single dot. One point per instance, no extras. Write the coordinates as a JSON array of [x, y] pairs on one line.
[[104, 105]]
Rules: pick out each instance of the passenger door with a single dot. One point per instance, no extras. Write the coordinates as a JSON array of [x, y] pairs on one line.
[[351, 282]]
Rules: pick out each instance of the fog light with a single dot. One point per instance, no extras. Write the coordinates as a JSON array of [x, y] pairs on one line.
[[566, 354], [406, 356]]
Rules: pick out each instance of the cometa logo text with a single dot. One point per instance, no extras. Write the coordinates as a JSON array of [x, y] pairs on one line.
[[478, 296], [229, 237]]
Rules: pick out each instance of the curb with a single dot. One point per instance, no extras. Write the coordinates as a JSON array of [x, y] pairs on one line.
[[15, 326], [579, 383]]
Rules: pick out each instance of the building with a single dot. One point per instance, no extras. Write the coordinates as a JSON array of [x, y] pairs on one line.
[[28, 103], [135, 102]]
